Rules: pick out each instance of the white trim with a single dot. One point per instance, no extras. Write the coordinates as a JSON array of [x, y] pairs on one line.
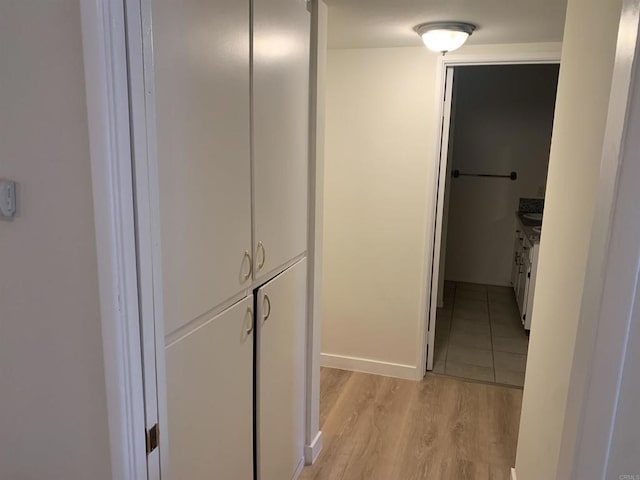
[[513, 474], [610, 289], [442, 170], [365, 365], [312, 450], [434, 220], [298, 469], [319, 17], [104, 49], [147, 201]]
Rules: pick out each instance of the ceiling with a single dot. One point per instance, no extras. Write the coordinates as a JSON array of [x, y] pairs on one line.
[[389, 23]]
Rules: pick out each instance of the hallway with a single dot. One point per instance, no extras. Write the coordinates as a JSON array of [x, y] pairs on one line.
[[380, 428]]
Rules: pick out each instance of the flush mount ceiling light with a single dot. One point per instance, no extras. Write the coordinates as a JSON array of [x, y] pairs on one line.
[[444, 36]]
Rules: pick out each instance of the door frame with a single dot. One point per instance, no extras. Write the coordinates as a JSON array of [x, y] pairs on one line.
[[107, 94], [435, 200]]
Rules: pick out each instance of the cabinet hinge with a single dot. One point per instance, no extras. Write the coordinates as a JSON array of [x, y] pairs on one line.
[[152, 438]]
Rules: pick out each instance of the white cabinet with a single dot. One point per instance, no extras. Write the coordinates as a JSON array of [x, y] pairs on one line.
[[281, 327], [210, 398], [523, 275], [523, 272], [517, 254], [531, 286], [201, 76], [281, 32], [231, 142]]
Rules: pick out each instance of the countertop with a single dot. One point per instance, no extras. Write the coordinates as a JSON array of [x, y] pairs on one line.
[[526, 227]]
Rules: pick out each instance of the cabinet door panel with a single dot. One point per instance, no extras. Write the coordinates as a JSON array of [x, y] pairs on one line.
[[280, 130], [281, 320], [201, 66], [210, 398]]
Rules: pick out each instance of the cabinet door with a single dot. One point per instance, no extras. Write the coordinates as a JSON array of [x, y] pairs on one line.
[[281, 320], [517, 251], [210, 398], [201, 76], [280, 131]]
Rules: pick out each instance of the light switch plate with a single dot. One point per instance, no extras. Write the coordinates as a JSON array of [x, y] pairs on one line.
[[7, 198]]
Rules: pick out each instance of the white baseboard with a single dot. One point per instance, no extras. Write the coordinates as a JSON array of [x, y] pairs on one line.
[[312, 451], [376, 367], [513, 474], [298, 471]]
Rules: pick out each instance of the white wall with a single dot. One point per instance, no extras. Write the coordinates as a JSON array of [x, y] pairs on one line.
[[53, 417], [581, 110], [379, 165], [379, 136], [503, 122]]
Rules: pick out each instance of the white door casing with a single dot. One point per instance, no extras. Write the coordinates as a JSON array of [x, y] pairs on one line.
[[437, 243], [426, 339]]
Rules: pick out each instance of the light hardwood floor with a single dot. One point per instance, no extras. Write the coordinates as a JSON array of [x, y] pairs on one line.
[[380, 428]]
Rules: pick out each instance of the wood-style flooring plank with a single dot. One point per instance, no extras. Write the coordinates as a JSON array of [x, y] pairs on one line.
[[441, 428], [332, 382]]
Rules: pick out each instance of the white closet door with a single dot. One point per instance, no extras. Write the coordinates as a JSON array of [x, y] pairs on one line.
[[210, 398], [281, 320], [201, 63], [280, 131]]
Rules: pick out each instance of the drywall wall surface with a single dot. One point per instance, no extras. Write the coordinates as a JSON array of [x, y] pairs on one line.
[[576, 149], [379, 179], [502, 124], [379, 140], [53, 415]]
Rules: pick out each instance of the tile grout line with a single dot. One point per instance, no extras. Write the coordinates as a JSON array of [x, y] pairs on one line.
[[493, 356]]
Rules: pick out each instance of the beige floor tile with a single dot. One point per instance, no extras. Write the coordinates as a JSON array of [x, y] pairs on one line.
[[509, 377], [508, 319], [462, 338], [509, 330], [470, 297], [444, 314], [470, 356], [473, 304], [481, 336], [503, 308], [470, 287], [470, 315], [473, 372], [511, 344], [439, 366], [442, 342], [514, 362], [471, 325], [497, 290]]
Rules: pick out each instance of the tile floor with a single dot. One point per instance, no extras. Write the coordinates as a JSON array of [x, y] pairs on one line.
[[479, 334]]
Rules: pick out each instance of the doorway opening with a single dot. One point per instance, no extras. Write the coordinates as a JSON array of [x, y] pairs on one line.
[[494, 154]]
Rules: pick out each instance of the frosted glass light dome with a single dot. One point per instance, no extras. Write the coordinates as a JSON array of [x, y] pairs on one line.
[[444, 37]]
